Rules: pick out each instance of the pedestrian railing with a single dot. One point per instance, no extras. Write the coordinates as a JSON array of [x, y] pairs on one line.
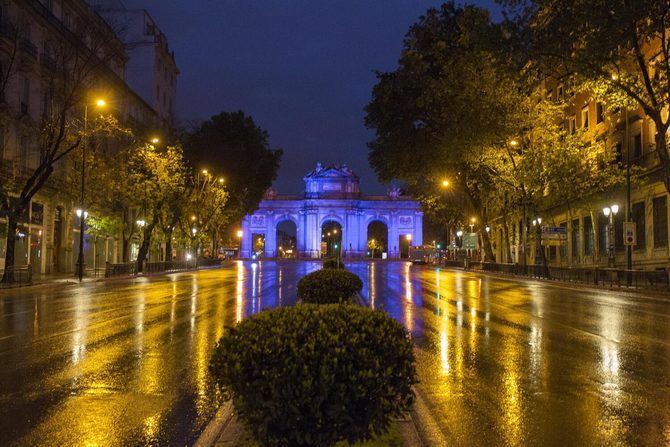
[[18, 275], [612, 277], [130, 268]]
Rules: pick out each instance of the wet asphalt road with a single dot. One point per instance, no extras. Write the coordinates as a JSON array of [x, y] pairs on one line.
[[502, 362]]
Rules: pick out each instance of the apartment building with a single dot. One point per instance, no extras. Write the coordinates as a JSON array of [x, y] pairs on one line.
[[631, 136], [49, 232]]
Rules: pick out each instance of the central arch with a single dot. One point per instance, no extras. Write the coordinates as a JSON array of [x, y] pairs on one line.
[[377, 238], [331, 238]]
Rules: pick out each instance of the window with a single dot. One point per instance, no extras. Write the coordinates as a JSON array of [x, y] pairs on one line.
[[660, 205], [619, 152], [637, 146], [575, 238], [24, 149], [618, 230], [588, 236], [25, 95], [572, 126], [600, 113], [559, 93], [585, 117], [638, 218], [563, 247], [550, 95]]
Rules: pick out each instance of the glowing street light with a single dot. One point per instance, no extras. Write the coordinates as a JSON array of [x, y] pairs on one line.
[[240, 233], [100, 103], [155, 140], [610, 212], [194, 231], [141, 223], [445, 183], [514, 142]]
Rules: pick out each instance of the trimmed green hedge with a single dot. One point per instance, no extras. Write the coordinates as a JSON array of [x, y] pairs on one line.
[[313, 375], [333, 263], [328, 286]]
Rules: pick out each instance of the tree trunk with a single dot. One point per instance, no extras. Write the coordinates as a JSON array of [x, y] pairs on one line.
[[146, 242], [508, 245], [488, 249], [12, 225], [662, 150], [168, 244]]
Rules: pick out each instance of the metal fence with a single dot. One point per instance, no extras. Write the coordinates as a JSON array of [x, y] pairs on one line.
[[648, 279], [130, 268], [19, 275]]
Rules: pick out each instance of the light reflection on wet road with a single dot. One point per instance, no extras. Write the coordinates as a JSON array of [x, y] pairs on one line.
[[502, 362]]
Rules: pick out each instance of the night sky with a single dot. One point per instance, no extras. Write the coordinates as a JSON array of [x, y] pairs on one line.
[[303, 69]]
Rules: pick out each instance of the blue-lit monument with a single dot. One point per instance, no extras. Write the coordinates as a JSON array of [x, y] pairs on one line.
[[332, 197]]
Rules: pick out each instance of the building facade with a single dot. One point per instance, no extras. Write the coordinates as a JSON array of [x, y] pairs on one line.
[[631, 136], [332, 199], [49, 231]]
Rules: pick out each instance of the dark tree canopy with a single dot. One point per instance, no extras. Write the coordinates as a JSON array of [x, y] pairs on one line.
[[232, 146]]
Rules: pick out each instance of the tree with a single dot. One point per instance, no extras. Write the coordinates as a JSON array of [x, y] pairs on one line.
[[76, 67], [374, 245], [157, 177], [621, 47], [232, 145], [203, 209], [451, 97]]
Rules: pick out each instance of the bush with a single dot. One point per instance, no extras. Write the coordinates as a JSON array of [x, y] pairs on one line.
[[329, 286], [313, 375], [333, 263]]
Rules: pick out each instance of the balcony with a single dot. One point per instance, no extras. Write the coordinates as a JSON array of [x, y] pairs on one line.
[[29, 48]]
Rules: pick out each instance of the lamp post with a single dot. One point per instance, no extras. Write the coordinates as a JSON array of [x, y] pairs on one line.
[[537, 226], [610, 212], [100, 103], [409, 250]]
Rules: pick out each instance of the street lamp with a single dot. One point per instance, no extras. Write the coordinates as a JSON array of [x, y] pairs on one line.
[[140, 223], [472, 224], [155, 140], [610, 212], [100, 103], [445, 183]]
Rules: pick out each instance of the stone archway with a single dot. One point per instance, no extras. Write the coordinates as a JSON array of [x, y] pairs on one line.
[[286, 239], [377, 238], [331, 238]]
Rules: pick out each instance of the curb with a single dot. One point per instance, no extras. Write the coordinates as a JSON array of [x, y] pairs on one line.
[[424, 423], [646, 293], [216, 426]]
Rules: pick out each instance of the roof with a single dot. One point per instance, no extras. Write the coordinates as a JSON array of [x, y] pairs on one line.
[[331, 171]]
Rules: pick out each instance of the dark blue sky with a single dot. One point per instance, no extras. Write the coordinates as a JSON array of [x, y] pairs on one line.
[[303, 69]]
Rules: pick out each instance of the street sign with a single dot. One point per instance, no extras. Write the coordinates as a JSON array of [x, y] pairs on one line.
[[554, 235], [470, 241], [629, 233]]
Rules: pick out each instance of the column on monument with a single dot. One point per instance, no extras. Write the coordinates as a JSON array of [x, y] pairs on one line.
[[312, 234], [245, 243], [270, 236], [363, 234], [351, 232], [393, 247], [300, 235], [417, 237]]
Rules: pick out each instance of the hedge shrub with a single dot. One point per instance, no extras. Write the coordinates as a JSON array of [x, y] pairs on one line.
[[333, 263], [313, 375], [328, 286]]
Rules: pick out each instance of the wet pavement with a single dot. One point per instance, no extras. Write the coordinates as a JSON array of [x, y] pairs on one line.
[[502, 361]]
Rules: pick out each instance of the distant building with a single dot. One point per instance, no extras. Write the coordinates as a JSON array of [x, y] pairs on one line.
[[151, 69], [333, 217]]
